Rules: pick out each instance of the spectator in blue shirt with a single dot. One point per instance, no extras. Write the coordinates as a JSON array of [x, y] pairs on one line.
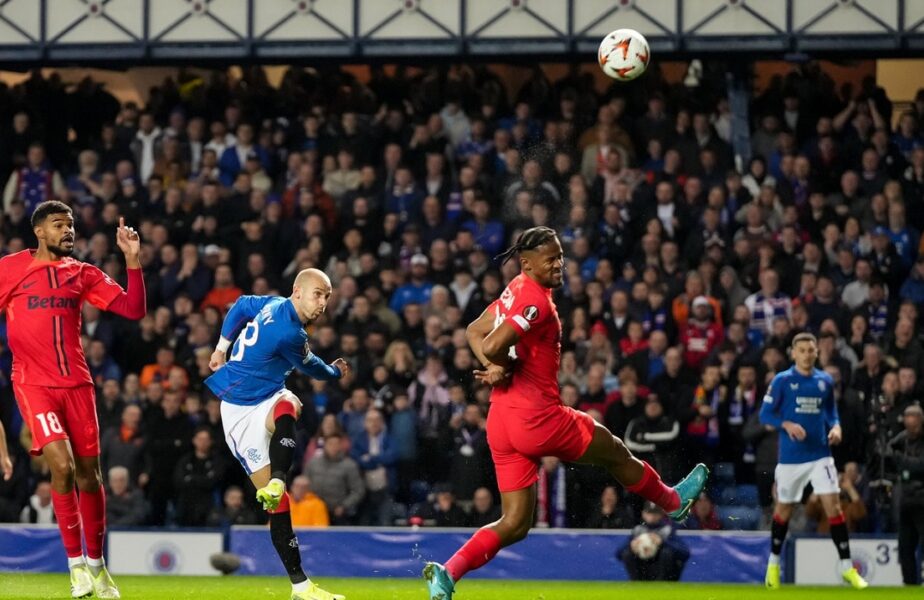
[[488, 233], [373, 450], [907, 138], [477, 142], [903, 237], [415, 291], [235, 157], [405, 198], [913, 288], [101, 365]]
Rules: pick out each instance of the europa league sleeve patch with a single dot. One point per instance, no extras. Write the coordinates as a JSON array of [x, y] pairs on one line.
[[531, 313]]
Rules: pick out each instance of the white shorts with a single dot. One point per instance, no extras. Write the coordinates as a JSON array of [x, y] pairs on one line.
[[246, 433], [791, 479]]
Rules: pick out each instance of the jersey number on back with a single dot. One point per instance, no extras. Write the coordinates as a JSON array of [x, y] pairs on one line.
[[247, 338]]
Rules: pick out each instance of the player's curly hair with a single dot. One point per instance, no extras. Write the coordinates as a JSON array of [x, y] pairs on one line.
[[528, 240], [48, 208]]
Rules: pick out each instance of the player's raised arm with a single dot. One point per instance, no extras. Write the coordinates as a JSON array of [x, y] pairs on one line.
[[129, 242], [106, 294], [301, 357], [241, 312]]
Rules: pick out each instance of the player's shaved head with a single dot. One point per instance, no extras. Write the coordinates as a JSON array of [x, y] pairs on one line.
[[309, 278], [310, 293]]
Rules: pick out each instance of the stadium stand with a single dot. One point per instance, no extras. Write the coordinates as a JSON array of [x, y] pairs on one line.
[[683, 272]]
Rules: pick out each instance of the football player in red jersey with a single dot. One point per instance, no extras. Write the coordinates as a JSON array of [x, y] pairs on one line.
[[42, 292], [518, 340]]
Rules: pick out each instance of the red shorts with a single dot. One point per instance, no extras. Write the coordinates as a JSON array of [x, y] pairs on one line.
[[519, 438], [60, 414]]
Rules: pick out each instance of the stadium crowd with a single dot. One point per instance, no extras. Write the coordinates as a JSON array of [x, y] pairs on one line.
[[686, 279]]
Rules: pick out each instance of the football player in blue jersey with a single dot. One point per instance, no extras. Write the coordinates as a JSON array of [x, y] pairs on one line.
[[800, 404], [258, 413]]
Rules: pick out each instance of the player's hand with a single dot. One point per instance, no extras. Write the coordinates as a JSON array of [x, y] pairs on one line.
[[343, 365], [6, 465], [796, 432], [217, 361], [835, 435], [493, 375], [129, 243]]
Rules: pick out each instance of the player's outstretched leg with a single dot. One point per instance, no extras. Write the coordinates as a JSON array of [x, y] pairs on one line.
[[64, 499], [516, 519], [93, 515], [638, 477]]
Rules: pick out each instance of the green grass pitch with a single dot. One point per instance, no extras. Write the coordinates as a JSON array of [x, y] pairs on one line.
[[52, 587]]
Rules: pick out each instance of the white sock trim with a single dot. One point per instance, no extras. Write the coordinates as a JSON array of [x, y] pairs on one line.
[[301, 587], [774, 559], [76, 561], [846, 564], [95, 562]]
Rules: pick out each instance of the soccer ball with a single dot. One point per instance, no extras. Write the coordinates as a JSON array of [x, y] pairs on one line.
[[624, 54], [646, 547]]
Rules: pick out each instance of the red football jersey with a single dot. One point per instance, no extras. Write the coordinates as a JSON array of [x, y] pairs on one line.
[[529, 309], [42, 300]]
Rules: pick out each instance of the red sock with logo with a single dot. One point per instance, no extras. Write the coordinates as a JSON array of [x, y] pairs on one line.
[[68, 516], [476, 553], [93, 513], [650, 487]]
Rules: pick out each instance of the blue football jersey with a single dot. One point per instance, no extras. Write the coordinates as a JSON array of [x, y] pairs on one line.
[[807, 400], [271, 342]]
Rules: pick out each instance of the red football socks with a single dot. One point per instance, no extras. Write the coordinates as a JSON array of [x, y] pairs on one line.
[[650, 487], [68, 516], [476, 553], [93, 513], [283, 506]]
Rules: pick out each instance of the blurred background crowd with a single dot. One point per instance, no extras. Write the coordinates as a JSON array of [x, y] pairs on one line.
[[689, 269]]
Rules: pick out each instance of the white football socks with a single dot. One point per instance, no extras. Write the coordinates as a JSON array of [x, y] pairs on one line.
[[95, 564]]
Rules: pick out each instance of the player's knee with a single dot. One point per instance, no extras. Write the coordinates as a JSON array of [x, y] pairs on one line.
[[63, 470], [513, 528], [617, 455], [621, 453], [520, 533], [89, 482], [286, 406]]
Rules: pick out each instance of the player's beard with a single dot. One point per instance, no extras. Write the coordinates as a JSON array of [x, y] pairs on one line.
[[61, 251]]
